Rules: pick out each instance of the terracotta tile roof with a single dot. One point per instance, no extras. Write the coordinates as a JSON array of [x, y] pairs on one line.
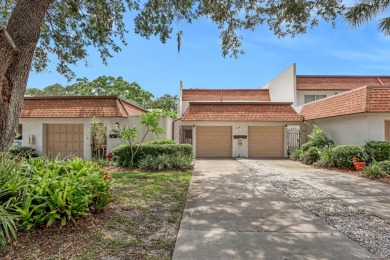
[[264, 112], [339, 82], [226, 95], [78, 107], [361, 100]]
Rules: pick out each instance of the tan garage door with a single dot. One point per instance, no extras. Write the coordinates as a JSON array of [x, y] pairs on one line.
[[387, 131], [65, 140], [214, 141], [266, 141]]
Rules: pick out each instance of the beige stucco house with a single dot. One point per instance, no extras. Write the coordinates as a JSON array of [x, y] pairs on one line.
[[234, 122], [256, 122], [62, 125]]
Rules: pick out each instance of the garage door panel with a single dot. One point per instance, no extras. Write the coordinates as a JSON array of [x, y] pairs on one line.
[[214, 141], [64, 140], [266, 141]]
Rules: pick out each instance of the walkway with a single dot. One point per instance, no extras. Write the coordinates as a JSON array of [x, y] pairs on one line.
[[231, 213]]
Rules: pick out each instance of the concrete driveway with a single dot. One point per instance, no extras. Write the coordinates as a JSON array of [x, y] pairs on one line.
[[231, 213], [369, 195]]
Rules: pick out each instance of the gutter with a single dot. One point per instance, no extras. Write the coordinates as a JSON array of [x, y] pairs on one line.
[[173, 128]]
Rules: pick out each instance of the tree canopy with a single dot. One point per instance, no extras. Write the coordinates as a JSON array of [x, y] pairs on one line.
[[31, 32], [366, 10], [101, 86]]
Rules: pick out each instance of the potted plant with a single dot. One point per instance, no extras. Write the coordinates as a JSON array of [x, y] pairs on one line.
[[358, 164]]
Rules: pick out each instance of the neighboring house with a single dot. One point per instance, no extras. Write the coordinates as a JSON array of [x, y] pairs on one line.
[[255, 122], [234, 122], [353, 117], [62, 125]]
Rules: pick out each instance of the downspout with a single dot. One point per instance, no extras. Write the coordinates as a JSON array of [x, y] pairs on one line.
[[173, 128]]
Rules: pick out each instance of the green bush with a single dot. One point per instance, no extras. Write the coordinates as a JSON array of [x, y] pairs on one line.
[[317, 139], [343, 154], [384, 167], [295, 154], [311, 155], [326, 157], [23, 151], [373, 170], [162, 141], [122, 153], [40, 191], [166, 162], [377, 150]]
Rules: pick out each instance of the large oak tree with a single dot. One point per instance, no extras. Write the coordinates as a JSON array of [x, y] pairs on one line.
[[30, 30]]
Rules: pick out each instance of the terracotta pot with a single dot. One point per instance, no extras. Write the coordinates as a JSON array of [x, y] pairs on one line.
[[359, 165]]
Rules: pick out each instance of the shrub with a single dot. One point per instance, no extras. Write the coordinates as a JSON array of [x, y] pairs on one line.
[[317, 139], [45, 192], [343, 154], [326, 157], [373, 170], [164, 162], [295, 154], [311, 155], [384, 167], [162, 141], [377, 150], [23, 151], [122, 153]]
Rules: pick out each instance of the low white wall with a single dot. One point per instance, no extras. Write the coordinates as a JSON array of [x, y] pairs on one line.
[[35, 127], [238, 128], [354, 129]]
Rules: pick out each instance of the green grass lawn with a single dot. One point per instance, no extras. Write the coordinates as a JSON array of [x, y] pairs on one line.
[[141, 223]]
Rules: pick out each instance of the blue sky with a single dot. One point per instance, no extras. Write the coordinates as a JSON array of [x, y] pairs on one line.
[[158, 67]]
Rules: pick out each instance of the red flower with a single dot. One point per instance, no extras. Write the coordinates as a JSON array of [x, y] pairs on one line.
[[106, 176], [95, 165]]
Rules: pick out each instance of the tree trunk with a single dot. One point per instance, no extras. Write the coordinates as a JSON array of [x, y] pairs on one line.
[[17, 46]]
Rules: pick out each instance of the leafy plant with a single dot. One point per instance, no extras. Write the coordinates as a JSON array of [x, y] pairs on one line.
[[317, 139], [373, 170], [161, 141], [7, 227], [122, 153], [384, 167], [99, 130], [129, 134], [343, 154], [326, 157], [311, 155], [23, 151], [296, 154], [377, 150], [165, 161], [42, 191]]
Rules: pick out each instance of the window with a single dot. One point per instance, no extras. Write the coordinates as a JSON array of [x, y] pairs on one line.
[[311, 98], [186, 135]]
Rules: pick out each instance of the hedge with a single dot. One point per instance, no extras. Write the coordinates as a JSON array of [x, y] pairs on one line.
[[23, 151], [122, 153], [343, 154], [377, 151]]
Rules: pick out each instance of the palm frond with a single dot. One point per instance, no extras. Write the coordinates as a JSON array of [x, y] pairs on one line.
[[384, 26], [365, 11]]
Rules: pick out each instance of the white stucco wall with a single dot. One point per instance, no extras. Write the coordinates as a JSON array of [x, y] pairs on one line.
[[238, 128], [354, 129], [282, 87], [35, 127], [301, 94]]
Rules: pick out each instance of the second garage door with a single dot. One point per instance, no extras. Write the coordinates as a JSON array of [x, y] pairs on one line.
[[213, 141], [266, 141]]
